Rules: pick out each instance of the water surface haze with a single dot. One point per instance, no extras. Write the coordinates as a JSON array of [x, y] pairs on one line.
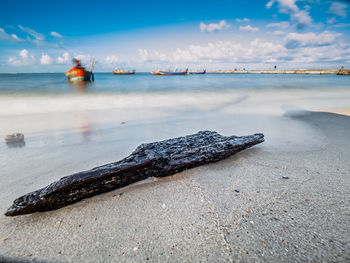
[[70, 128]]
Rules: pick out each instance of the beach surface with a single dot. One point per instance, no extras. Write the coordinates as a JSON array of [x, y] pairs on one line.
[[285, 200]]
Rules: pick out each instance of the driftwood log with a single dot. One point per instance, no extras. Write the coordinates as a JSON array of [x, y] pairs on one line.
[[156, 159]]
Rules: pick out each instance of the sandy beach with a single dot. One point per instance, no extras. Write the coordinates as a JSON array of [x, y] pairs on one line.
[[187, 131], [285, 200]]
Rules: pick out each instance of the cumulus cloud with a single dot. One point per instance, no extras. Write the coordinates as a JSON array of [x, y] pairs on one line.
[[220, 51], [242, 20], [13, 61], [45, 59], [213, 27], [301, 17], [24, 53], [249, 28], [64, 59], [84, 58], [55, 34], [81, 57], [298, 48], [297, 40], [143, 53], [25, 58], [338, 9]]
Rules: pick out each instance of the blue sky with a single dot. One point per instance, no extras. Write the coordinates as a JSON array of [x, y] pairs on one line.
[[43, 36]]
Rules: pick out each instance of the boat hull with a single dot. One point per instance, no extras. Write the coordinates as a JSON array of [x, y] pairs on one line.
[[123, 72], [169, 73], [198, 72], [87, 77]]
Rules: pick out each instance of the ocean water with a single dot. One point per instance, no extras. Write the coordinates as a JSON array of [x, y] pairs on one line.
[[73, 127], [56, 83]]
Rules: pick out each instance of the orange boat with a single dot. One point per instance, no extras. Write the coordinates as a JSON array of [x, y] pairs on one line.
[[79, 73]]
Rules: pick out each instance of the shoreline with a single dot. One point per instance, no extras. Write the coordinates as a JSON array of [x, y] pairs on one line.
[[252, 71]]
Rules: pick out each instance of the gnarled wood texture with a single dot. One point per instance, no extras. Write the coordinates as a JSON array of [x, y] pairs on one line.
[[156, 159]]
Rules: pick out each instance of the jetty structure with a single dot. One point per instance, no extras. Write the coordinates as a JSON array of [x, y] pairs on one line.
[[341, 71]]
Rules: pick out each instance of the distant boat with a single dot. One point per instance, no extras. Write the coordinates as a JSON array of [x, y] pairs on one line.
[[160, 72], [123, 72], [198, 72]]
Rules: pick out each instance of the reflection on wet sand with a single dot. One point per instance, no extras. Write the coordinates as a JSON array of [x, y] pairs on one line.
[[85, 130], [18, 144]]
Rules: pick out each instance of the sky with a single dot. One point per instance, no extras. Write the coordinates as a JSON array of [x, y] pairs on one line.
[[44, 36]]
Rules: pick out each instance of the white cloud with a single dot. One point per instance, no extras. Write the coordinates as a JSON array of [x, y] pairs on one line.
[[13, 61], [270, 3], [15, 37], [301, 17], [24, 59], [24, 53], [84, 59], [297, 40], [32, 33], [279, 33], [216, 52], [331, 20], [64, 59], [81, 57], [242, 20], [45, 59], [338, 9], [146, 56], [143, 53], [9, 37], [213, 27], [341, 25], [34, 37], [300, 49], [249, 28], [111, 59], [55, 34], [282, 25]]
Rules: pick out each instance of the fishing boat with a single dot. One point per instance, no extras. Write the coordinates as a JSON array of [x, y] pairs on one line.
[[160, 72], [123, 72], [198, 72], [15, 137], [79, 74]]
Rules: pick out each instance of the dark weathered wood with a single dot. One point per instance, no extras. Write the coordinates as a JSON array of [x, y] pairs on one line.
[[156, 159]]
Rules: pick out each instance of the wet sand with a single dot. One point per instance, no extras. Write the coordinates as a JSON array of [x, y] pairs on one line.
[[240, 209], [285, 200]]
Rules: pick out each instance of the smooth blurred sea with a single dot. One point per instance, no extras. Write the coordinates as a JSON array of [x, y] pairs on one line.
[[56, 83], [73, 127]]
